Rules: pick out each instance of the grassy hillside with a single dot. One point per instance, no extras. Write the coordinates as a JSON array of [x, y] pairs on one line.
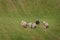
[[13, 11]]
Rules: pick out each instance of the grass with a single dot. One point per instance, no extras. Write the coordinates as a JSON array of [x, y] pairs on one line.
[[13, 11]]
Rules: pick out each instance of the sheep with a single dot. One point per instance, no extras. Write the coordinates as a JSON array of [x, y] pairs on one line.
[[45, 24], [32, 25], [37, 22], [24, 24]]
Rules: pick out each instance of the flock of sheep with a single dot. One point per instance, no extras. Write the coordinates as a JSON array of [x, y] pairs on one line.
[[33, 25]]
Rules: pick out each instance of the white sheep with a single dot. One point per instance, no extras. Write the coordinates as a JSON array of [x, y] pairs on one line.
[[32, 25], [24, 24], [45, 24]]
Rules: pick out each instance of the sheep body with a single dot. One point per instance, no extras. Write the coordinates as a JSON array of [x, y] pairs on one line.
[[45, 24], [23, 24], [32, 25]]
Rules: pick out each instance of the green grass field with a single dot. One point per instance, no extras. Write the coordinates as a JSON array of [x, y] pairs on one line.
[[13, 11]]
